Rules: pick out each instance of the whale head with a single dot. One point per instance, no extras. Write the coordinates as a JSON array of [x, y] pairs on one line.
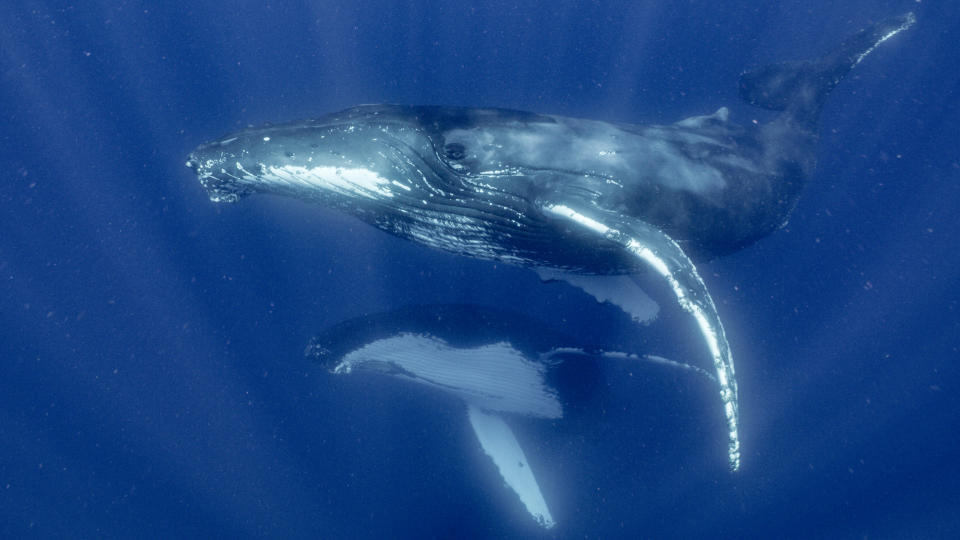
[[421, 173], [364, 154]]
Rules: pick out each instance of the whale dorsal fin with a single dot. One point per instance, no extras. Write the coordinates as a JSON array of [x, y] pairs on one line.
[[720, 116]]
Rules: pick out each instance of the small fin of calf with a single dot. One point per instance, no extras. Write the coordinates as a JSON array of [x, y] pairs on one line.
[[499, 442], [802, 87]]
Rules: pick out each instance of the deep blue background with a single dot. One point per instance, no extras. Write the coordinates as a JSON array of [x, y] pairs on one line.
[[152, 382]]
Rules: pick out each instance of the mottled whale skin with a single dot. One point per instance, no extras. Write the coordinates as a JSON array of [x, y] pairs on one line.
[[581, 196]]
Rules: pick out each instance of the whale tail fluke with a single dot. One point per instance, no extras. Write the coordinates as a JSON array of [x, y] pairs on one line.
[[800, 88]]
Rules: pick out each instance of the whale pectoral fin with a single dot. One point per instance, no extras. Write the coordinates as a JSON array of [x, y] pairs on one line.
[[499, 442], [621, 291], [661, 253]]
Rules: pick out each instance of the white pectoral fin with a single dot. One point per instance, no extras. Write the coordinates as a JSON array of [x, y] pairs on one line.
[[621, 291], [501, 445], [663, 255]]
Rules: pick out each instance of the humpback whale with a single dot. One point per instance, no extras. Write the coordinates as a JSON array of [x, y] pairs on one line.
[[580, 197], [499, 363]]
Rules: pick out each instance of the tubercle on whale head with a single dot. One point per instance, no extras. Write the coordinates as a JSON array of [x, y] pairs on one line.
[[217, 187], [224, 167]]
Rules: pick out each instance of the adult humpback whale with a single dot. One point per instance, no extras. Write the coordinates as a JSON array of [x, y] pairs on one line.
[[580, 196], [500, 364]]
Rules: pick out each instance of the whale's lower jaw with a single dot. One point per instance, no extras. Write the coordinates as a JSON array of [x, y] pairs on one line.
[[527, 237]]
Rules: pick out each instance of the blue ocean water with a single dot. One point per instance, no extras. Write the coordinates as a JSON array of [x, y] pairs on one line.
[[152, 377]]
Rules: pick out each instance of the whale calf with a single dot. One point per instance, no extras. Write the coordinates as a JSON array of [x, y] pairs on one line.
[[573, 196], [498, 363]]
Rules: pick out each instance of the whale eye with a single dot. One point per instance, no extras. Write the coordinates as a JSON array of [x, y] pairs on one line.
[[455, 151]]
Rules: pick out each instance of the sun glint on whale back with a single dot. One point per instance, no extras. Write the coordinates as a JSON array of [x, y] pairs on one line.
[[543, 191]]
